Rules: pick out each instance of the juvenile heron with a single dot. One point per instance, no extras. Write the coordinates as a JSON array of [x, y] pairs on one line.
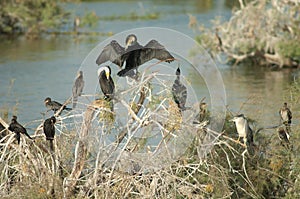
[[106, 82], [243, 129], [179, 92], [283, 135], [53, 105], [77, 88], [17, 128], [134, 54], [49, 130], [286, 116]]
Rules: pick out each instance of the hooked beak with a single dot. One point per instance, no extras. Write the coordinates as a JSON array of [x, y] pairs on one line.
[[107, 75], [129, 42]]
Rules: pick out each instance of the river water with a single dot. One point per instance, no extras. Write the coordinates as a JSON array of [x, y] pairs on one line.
[[33, 69]]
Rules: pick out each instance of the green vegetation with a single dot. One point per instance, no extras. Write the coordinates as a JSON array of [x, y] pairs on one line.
[[132, 17], [265, 32], [30, 16]]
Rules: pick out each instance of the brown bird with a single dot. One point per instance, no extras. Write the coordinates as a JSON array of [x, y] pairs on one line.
[[286, 117], [77, 88]]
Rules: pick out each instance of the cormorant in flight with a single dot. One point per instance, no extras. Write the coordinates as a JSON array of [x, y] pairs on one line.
[[179, 92], [106, 82], [77, 88], [53, 105], [134, 54], [17, 128]]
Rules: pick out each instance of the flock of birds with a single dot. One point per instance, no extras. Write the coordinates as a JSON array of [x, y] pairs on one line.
[[284, 129], [134, 55]]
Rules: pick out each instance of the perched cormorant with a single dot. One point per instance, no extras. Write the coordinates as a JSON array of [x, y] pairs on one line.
[[53, 105], [243, 129], [2, 131], [286, 116], [106, 82], [77, 88], [49, 130], [134, 54], [179, 92], [17, 128]]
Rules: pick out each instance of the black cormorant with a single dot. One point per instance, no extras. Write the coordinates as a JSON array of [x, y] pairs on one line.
[[134, 54], [243, 129], [179, 92], [49, 130], [2, 131], [106, 82], [17, 128], [77, 88], [53, 105], [286, 117]]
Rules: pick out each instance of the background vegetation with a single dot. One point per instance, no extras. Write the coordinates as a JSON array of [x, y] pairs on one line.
[[265, 32]]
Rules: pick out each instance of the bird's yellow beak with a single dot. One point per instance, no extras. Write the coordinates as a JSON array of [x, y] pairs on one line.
[[129, 42], [107, 75]]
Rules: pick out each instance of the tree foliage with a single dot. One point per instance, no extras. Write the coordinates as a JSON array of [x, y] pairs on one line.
[[30, 16], [266, 32]]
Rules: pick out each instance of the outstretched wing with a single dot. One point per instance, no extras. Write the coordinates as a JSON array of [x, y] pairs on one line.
[[112, 52], [154, 50]]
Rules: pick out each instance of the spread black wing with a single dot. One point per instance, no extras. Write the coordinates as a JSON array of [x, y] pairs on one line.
[[112, 52], [154, 50]]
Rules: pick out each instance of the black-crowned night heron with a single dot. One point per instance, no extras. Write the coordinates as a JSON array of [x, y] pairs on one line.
[[179, 91], [134, 54], [243, 129], [106, 82], [17, 128], [53, 105], [286, 116], [77, 88]]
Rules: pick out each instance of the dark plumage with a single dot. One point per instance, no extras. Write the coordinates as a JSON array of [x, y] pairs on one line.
[[17, 128], [179, 92], [106, 82], [77, 88], [53, 105], [134, 54], [2, 131], [49, 128]]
